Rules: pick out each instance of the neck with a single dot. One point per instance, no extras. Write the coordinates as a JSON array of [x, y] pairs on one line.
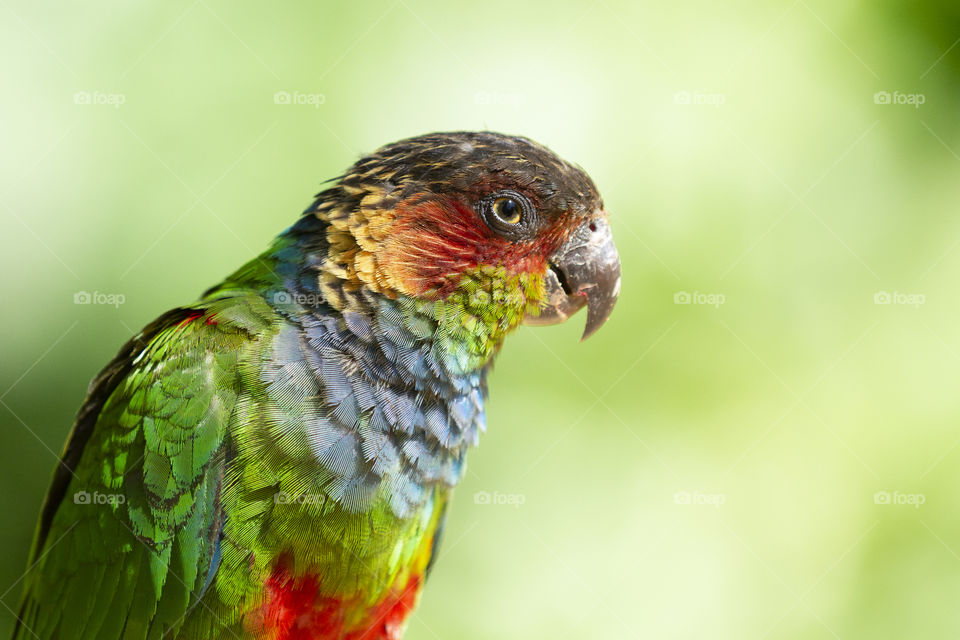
[[463, 330]]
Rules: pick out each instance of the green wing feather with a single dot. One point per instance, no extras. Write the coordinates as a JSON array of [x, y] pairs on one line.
[[130, 524]]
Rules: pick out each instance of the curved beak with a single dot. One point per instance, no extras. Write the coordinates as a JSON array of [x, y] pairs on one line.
[[585, 271]]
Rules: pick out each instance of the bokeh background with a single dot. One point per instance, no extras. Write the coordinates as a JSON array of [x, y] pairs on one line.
[[776, 458]]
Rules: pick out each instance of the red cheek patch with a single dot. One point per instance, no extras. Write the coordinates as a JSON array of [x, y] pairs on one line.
[[431, 241]]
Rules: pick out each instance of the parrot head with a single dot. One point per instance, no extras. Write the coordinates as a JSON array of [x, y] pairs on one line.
[[496, 226]]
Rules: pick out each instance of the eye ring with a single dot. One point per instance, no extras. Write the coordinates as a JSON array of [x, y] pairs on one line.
[[509, 213], [507, 210]]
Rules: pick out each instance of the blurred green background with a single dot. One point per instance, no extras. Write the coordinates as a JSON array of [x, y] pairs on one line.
[[776, 459]]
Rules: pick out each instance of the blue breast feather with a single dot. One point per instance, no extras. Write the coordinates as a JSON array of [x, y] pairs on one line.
[[376, 399]]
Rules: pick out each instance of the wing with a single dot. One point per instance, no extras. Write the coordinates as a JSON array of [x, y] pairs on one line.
[[127, 535]]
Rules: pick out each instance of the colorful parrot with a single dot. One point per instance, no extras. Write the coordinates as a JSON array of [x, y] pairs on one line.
[[275, 461]]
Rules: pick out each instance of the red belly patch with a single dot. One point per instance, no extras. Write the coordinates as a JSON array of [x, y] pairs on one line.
[[387, 618], [295, 609]]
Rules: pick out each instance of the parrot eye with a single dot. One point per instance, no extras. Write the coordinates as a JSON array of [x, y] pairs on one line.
[[508, 213], [507, 210]]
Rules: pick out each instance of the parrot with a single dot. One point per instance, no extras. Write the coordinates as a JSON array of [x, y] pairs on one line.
[[276, 460]]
